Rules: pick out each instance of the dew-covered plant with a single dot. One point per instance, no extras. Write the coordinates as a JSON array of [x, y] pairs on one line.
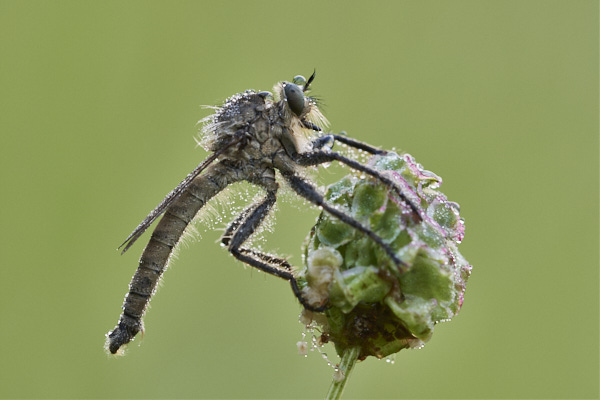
[[375, 307]]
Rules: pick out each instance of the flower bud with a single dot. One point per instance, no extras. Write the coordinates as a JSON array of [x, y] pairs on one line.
[[374, 303]]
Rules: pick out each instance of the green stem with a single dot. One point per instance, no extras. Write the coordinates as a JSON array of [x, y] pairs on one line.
[[347, 362]]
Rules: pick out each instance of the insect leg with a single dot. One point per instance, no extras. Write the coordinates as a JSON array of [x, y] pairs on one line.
[[310, 125], [306, 190], [280, 262], [357, 144], [323, 141], [328, 140], [320, 157], [242, 228], [267, 258]]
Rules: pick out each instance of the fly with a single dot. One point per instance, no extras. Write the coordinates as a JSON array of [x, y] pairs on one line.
[[250, 137]]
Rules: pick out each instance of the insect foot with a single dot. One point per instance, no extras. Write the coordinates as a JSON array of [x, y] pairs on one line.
[[375, 306]]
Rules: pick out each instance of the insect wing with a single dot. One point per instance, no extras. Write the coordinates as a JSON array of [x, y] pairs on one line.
[[171, 198]]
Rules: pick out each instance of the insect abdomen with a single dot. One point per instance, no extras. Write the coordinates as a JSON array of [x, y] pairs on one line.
[[159, 249]]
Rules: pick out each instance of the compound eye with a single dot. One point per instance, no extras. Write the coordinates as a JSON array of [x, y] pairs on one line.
[[295, 97]]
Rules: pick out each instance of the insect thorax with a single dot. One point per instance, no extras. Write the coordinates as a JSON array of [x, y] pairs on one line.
[[249, 114], [267, 122]]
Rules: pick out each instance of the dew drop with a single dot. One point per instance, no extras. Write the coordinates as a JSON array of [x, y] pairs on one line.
[[302, 348], [338, 375]]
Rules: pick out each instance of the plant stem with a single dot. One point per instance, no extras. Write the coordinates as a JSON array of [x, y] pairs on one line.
[[347, 362]]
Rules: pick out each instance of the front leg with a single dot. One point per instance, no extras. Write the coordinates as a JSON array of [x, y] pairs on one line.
[[329, 139], [310, 193], [317, 157]]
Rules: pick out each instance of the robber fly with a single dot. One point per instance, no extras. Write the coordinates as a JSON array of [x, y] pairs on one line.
[[249, 137]]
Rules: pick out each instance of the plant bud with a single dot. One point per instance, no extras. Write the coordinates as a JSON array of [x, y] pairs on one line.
[[374, 303]]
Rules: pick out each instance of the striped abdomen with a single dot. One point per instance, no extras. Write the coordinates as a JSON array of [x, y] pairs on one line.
[[159, 249]]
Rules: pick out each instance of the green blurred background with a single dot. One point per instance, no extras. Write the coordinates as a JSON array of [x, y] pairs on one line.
[[99, 102]]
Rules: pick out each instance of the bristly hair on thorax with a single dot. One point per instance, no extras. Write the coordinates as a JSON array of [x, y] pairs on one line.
[[219, 128]]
